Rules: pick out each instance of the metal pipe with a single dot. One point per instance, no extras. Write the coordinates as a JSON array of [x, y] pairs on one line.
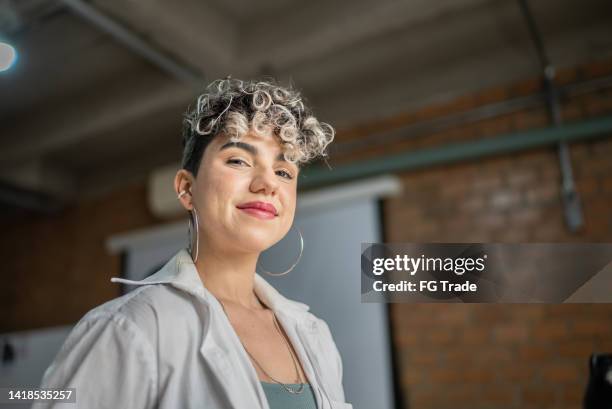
[[571, 200], [535, 33], [466, 117], [16, 198], [134, 42]]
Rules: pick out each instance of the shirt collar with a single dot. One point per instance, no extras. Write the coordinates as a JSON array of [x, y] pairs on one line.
[[181, 273]]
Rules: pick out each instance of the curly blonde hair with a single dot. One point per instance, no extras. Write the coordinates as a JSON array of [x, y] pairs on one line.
[[235, 107]]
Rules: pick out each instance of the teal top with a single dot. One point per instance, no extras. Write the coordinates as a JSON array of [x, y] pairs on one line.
[[279, 398]]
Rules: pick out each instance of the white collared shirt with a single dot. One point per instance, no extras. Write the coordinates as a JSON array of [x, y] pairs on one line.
[[169, 345]]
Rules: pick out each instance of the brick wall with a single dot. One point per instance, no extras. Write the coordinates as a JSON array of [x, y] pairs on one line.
[[500, 356], [46, 257], [449, 356]]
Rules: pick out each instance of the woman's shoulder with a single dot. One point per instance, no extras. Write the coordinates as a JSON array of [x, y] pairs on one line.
[[148, 309]]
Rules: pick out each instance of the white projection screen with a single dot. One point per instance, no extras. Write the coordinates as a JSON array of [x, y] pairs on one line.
[[334, 222]]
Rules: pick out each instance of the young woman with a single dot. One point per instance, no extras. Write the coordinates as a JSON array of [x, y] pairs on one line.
[[207, 331]]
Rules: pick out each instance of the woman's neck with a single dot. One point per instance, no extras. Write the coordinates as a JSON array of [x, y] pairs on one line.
[[229, 277]]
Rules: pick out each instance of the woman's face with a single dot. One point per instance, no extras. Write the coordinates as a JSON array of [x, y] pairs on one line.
[[245, 193]]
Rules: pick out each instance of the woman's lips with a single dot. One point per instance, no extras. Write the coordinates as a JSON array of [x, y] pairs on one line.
[[261, 214], [259, 209]]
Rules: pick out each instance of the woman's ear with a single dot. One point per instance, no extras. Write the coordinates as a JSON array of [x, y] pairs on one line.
[[183, 182]]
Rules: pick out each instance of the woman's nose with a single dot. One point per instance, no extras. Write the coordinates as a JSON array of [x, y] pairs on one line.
[[264, 181]]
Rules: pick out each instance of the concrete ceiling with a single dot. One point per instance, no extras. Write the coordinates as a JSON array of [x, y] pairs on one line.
[[84, 110]]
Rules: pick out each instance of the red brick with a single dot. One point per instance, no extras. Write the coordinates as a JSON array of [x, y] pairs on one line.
[[473, 203], [596, 106], [537, 396], [517, 373], [580, 151], [461, 393], [592, 328], [424, 358], [477, 235], [406, 340], [597, 165], [602, 344], [607, 185], [525, 216], [601, 147], [551, 331], [527, 313], [560, 373], [486, 182], [535, 353], [457, 357], [490, 315], [511, 333], [411, 378], [474, 336], [573, 395], [498, 395], [566, 75], [550, 232], [573, 312], [587, 186], [504, 199], [533, 158], [456, 226], [525, 121], [492, 95], [440, 337], [571, 112], [423, 398], [527, 87], [457, 189], [597, 68], [495, 126], [500, 355], [462, 103], [478, 375], [550, 173], [452, 316], [516, 235], [522, 177], [447, 375], [543, 194], [492, 220]]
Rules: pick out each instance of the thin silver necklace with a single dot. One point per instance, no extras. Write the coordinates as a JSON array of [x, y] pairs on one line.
[[293, 358]]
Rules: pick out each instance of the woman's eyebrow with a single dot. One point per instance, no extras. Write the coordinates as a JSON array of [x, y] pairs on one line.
[[249, 148]]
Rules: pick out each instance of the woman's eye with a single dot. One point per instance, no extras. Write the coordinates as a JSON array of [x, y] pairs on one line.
[[284, 174], [235, 161]]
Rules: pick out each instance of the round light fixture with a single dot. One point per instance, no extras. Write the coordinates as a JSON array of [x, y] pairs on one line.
[[8, 56]]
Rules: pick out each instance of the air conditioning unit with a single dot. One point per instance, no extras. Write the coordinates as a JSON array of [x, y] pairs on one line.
[[161, 195]]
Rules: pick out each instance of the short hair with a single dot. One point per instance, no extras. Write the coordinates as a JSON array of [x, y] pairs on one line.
[[235, 107]]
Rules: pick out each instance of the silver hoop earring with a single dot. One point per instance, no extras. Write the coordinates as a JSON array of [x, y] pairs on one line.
[[296, 261], [193, 225]]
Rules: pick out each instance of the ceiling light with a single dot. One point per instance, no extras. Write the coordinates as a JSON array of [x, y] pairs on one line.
[[8, 56]]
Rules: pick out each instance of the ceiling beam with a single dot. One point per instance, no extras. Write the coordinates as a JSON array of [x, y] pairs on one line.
[[193, 32], [312, 31], [84, 117], [134, 42]]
